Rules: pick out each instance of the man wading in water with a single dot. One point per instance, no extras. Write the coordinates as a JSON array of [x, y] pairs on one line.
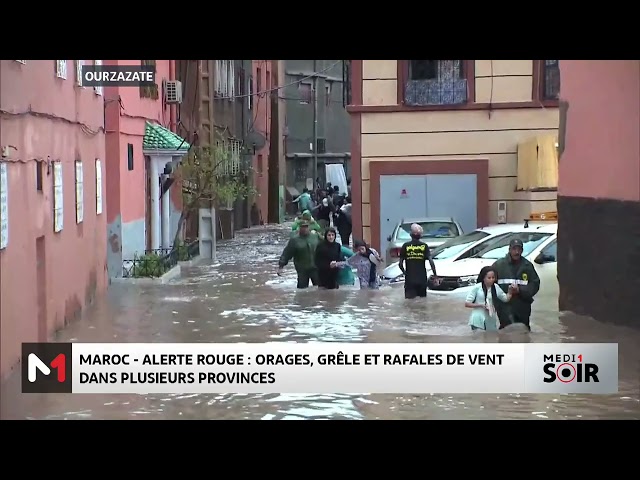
[[415, 253], [517, 276], [302, 249]]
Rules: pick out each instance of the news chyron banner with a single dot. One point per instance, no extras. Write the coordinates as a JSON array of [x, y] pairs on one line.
[[142, 368]]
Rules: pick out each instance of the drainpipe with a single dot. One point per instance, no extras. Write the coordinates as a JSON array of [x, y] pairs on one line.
[[315, 123], [172, 108]]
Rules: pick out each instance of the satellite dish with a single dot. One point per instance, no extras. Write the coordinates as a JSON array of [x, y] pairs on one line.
[[256, 140]]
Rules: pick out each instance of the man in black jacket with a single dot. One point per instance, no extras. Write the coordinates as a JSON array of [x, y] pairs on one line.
[[518, 272]]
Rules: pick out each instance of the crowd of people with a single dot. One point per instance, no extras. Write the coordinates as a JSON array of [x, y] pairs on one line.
[[501, 297]]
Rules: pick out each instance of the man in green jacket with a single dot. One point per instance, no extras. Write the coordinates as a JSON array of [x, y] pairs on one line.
[[517, 274], [302, 249], [306, 217]]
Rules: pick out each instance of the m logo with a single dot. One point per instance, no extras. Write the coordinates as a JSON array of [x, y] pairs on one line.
[[35, 365], [46, 368]]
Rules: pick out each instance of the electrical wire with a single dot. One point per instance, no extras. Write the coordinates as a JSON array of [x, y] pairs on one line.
[[280, 87]]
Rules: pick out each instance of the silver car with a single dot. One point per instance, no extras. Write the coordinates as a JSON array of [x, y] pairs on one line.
[[436, 231]]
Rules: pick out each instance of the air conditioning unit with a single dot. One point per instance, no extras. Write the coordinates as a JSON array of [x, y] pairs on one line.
[[502, 212], [172, 91]]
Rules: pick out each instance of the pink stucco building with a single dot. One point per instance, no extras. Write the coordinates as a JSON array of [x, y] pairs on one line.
[[141, 216], [52, 209], [263, 76], [599, 189]]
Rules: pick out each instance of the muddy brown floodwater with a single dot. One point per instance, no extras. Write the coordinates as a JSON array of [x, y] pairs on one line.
[[240, 299]]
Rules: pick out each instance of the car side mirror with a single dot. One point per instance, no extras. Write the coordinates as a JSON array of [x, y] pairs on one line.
[[542, 258], [389, 238]]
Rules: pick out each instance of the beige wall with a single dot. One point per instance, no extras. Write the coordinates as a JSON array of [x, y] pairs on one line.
[[459, 134]]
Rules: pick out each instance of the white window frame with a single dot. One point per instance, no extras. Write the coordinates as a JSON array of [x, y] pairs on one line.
[[61, 69], [233, 164], [58, 198], [79, 192], [98, 90], [231, 78], [225, 77], [218, 77], [98, 186], [4, 205], [79, 64], [250, 92]]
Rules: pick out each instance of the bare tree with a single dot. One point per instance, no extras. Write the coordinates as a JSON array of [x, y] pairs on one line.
[[207, 181]]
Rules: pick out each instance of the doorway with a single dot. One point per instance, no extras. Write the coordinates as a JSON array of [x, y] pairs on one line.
[[41, 288]]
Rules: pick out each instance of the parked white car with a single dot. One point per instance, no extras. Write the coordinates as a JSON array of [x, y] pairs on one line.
[[462, 247], [539, 247]]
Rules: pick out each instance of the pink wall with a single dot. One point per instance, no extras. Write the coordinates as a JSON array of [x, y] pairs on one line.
[[125, 122], [48, 118], [262, 81], [602, 151]]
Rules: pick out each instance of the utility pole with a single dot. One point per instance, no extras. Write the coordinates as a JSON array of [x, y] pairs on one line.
[[315, 122]]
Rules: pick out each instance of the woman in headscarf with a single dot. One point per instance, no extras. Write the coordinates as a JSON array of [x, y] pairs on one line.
[[328, 255], [365, 261]]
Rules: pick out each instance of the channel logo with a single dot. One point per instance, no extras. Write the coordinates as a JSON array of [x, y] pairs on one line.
[[569, 368]]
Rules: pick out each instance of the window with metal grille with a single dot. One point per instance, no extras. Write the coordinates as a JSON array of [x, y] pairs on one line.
[[305, 91], [322, 145], [149, 91], [98, 186], [58, 203], [79, 192], [232, 165], [98, 90], [79, 64], [436, 82], [346, 83], [551, 79], [61, 69]]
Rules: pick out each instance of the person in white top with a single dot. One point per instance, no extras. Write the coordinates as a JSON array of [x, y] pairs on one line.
[[482, 299]]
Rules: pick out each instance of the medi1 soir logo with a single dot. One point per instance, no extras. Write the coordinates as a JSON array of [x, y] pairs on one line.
[[571, 368]]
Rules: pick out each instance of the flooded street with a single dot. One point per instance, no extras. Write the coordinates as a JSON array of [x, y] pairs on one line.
[[240, 299]]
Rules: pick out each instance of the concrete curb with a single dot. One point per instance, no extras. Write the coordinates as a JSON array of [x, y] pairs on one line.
[[170, 275]]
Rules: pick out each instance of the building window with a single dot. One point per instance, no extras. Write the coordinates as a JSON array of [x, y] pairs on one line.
[[268, 79], [79, 64], [4, 206], [58, 199], [231, 165], [61, 69], [149, 91], [258, 81], [79, 192], [436, 82], [551, 79], [305, 93], [98, 90], [98, 186], [346, 83], [38, 176], [327, 93], [225, 79], [260, 165]]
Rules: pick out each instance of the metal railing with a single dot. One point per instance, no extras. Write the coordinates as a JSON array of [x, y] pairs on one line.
[[155, 263]]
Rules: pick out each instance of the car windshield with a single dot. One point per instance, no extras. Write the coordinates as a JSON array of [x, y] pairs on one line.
[[430, 230], [499, 249], [456, 245]]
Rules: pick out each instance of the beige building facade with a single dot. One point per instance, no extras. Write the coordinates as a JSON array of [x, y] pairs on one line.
[[495, 119]]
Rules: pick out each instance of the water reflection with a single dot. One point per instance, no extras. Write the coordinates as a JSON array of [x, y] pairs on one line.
[[237, 301]]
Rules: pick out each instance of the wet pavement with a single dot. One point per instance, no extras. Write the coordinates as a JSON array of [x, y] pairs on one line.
[[239, 301]]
